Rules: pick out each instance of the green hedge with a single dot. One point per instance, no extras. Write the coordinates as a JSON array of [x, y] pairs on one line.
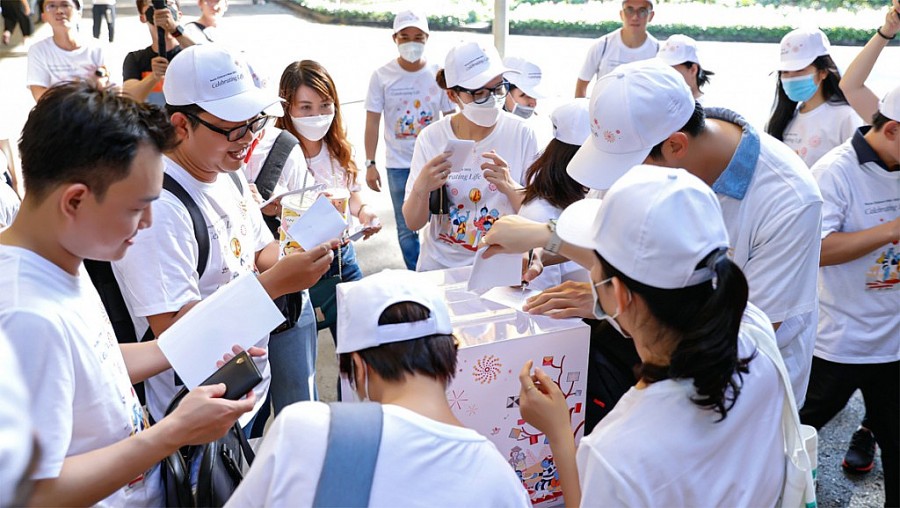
[[840, 36]]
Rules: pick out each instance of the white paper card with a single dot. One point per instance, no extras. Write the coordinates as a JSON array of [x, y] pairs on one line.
[[498, 270], [240, 312], [461, 149], [312, 188], [320, 223], [512, 297]]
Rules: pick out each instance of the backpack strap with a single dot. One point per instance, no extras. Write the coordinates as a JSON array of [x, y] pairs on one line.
[[354, 436], [201, 231], [271, 169]]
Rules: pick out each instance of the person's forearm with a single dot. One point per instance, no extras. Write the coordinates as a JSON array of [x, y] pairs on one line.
[[563, 449], [88, 478], [839, 248], [581, 88], [853, 82], [515, 196], [371, 136], [139, 89], [415, 209], [37, 91], [144, 359], [355, 203]]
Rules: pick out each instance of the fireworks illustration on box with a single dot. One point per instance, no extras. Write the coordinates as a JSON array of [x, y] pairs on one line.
[[487, 369]]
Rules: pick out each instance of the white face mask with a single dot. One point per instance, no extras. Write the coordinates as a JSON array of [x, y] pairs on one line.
[[411, 51], [313, 128], [522, 111], [484, 115], [601, 314]]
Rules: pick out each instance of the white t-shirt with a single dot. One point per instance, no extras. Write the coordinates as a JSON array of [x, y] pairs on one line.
[[410, 101], [451, 240], [48, 64], [9, 204], [326, 170], [421, 462], [657, 448], [159, 272], [81, 395], [609, 52], [16, 430], [774, 238], [859, 300], [814, 133], [294, 167]]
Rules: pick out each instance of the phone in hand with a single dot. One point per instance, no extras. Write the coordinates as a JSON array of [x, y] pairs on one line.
[[240, 375]]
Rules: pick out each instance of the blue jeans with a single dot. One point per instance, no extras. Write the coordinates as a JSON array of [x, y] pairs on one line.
[[409, 240], [349, 271], [292, 357]]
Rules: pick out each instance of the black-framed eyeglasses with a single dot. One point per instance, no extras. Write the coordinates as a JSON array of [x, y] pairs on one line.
[[254, 126], [642, 12], [482, 95]]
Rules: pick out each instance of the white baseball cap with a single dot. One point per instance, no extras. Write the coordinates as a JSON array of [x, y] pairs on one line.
[[633, 108], [889, 105], [572, 122], [471, 65], [529, 77], [655, 225], [678, 49], [801, 46], [218, 81], [360, 304], [408, 19]]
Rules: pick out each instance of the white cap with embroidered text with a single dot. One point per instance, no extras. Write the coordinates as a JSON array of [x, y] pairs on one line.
[[678, 49], [528, 79], [360, 304], [655, 225], [633, 108], [889, 105], [801, 47], [218, 81], [572, 122], [472, 65], [408, 19]]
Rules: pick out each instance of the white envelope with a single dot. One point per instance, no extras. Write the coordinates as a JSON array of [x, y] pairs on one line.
[[240, 312], [320, 223], [498, 270], [461, 149]]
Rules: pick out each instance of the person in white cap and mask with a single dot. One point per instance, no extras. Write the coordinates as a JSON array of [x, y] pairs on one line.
[[216, 110], [858, 345], [405, 91], [680, 51], [525, 91], [550, 189], [398, 351], [629, 43], [706, 409], [459, 204], [770, 203], [810, 114]]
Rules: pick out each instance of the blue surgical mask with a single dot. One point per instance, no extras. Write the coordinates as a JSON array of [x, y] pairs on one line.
[[601, 314], [800, 88]]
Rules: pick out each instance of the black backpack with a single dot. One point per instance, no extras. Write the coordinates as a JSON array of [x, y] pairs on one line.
[[105, 282]]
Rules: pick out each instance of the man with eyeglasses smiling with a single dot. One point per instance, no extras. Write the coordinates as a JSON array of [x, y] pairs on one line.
[[216, 111], [627, 44], [67, 56]]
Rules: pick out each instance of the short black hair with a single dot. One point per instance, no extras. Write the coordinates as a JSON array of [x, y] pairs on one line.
[[191, 111], [432, 356], [79, 133], [695, 126], [879, 121]]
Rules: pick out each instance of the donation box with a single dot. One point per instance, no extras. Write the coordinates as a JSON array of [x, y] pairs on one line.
[[495, 341]]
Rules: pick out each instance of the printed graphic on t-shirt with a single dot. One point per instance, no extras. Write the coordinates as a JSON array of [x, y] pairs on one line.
[[802, 146], [883, 273], [413, 115], [473, 206], [236, 259]]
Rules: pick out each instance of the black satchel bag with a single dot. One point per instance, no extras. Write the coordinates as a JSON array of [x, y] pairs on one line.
[[205, 475], [439, 201]]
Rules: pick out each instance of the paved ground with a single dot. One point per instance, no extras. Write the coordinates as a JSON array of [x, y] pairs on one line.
[[273, 36]]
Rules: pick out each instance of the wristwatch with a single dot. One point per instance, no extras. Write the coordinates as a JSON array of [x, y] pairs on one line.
[[178, 32], [370, 163], [555, 242]]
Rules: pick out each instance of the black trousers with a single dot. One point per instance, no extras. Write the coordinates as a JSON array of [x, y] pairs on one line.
[[830, 387], [104, 13], [14, 14]]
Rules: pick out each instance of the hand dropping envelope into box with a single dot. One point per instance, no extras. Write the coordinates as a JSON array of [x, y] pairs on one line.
[[319, 224]]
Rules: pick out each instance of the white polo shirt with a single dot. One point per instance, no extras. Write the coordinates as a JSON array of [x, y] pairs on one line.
[[773, 212], [609, 52]]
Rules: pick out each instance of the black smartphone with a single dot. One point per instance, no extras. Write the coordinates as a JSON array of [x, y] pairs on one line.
[[240, 375]]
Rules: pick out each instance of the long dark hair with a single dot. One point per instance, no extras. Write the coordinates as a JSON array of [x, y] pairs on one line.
[[547, 177], [704, 322], [784, 109]]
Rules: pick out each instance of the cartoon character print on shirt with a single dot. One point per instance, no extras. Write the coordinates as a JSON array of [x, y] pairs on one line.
[[413, 119], [475, 205], [884, 273], [805, 143], [237, 258]]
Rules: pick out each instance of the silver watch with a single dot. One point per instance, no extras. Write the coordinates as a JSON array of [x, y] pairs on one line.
[[555, 242]]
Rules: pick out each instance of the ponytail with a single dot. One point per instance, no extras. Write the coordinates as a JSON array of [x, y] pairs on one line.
[[705, 320]]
